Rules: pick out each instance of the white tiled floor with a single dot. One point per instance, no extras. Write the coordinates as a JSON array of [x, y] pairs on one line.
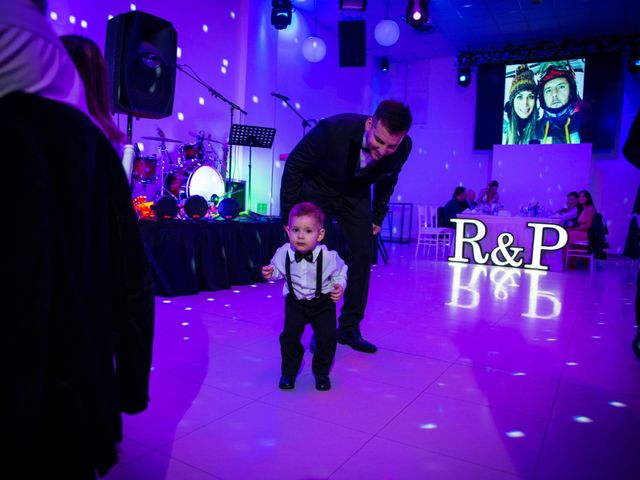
[[482, 373]]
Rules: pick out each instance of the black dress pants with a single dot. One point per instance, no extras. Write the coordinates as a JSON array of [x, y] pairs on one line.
[[320, 312], [638, 302]]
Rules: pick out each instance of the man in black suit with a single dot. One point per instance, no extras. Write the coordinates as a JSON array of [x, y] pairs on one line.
[[334, 166], [631, 151], [453, 207]]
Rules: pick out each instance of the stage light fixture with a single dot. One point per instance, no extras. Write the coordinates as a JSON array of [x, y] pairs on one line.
[[196, 207], [166, 208], [281, 13], [353, 5], [384, 64], [464, 76], [228, 208], [417, 13]]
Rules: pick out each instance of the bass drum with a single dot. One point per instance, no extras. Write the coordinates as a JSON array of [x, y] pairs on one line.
[[194, 180]]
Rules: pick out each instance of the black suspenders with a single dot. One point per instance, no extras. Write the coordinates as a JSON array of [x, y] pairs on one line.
[[319, 274], [287, 266]]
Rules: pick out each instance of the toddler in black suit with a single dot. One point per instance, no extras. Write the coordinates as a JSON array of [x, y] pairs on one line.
[[315, 281]]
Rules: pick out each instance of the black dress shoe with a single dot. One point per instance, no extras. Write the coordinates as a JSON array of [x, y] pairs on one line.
[[286, 383], [322, 382], [636, 345], [354, 340], [312, 344]]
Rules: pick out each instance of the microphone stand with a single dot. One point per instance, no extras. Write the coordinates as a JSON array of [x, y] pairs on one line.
[[233, 107], [305, 123]]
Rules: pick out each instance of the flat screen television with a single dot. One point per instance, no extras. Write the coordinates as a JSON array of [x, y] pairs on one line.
[[542, 102], [566, 100]]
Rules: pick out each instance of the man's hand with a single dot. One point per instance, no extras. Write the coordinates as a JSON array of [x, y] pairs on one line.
[[267, 272], [336, 293], [376, 229]]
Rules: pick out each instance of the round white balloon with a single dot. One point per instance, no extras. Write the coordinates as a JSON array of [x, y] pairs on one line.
[[387, 32], [314, 49]]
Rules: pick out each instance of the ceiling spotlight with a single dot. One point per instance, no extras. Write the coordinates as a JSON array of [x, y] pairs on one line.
[[464, 76], [417, 13], [353, 5], [384, 64], [281, 13]]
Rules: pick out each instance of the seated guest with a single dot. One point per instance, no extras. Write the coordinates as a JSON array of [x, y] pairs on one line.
[[490, 194], [569, 213], [456, 205], [471, 199], [586, 214]]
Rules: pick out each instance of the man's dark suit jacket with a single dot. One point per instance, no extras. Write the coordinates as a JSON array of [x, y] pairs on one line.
[[631, 151], [326, 159], [451, 209]]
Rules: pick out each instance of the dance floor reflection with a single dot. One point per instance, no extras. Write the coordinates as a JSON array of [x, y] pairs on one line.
[[482, 373]]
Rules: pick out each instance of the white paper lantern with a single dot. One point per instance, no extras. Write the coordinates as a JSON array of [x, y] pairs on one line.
[[314, 49], [387, 32]]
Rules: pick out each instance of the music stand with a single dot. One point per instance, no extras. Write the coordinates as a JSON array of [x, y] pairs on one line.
[[250, 136]]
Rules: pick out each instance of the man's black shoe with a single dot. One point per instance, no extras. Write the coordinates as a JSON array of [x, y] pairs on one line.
[[322, 382], [354, 340], [636, 345], [286, 383], [312, 344]]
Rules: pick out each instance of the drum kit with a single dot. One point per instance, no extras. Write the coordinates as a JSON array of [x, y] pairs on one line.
[[198, 170]]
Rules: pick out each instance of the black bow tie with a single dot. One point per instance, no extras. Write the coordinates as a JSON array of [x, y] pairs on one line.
[[304, 256]]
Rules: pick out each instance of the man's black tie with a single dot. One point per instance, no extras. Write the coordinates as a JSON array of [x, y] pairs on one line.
[[304, 256]]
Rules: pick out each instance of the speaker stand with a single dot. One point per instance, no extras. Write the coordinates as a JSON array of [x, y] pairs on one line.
[[233, 106]]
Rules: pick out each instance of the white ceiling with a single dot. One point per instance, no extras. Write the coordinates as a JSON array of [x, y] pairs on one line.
[[471, 24]]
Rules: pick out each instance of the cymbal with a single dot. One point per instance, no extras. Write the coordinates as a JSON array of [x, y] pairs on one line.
[[205, 139], [162, 139]]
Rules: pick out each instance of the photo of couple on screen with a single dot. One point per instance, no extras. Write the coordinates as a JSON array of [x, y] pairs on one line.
[[542, 102]]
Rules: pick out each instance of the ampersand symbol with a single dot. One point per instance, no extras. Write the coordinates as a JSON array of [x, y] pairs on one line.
[[505, 240]]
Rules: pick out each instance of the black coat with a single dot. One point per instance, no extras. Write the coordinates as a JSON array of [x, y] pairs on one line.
[[631, 151], [79, 337], [451, 209], [326, 159]]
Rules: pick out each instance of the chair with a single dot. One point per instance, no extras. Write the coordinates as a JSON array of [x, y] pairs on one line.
[[598, 237], [429, 233], [382, 249], [580, 249], [593, 248]]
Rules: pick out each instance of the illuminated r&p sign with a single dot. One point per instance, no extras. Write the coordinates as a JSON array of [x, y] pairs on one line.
[[504, 254]]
